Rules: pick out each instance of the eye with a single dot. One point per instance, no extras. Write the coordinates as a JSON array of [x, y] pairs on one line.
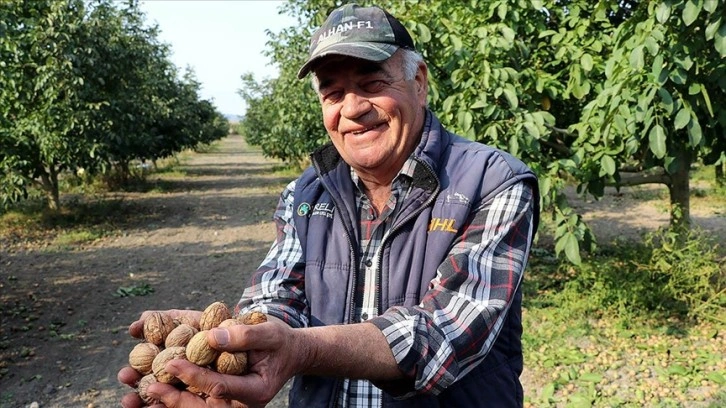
[[374, 86], [331, 95]]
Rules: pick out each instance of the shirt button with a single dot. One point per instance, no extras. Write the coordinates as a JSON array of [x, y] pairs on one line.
[[364, 316], [368, 262]]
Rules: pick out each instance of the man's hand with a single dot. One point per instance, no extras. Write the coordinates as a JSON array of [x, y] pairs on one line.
[[273, 357]]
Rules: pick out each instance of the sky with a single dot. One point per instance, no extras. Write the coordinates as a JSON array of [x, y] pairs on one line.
[[220, 40]]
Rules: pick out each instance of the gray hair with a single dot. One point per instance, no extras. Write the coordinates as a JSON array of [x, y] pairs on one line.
[[409, 63]]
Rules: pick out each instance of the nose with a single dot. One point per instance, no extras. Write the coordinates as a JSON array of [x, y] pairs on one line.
[[355, 105]]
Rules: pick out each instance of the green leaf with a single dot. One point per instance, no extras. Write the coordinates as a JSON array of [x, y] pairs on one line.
[[532, 129], [637, 59], [694, 133], [711, 29], [511, 97], [707, 100], [694, 88], [586, 62], [424, 34], [456, 42], [710, 6], [716, 377], [591, 377], [608, 165], [657, 141], [690, 11], [719, 40], [657, 66], [666, 100], [682, 118], [663, 12], [572, 249], [677, 369], [502, 11], [507, 33]]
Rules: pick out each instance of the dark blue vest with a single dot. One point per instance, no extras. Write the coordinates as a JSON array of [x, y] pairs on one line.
[[453, 175]]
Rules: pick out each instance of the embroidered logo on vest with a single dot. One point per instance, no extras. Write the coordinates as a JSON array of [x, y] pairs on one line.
[[303, 209], [323, 209], [442, 224]]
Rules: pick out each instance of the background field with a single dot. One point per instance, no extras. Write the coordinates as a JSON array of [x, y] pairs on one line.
[[71, 283]]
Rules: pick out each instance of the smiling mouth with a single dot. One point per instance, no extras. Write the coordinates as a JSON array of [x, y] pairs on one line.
[[360, 132]]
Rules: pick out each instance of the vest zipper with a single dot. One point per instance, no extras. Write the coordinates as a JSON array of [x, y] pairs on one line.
[[395, 228], [354, 272]]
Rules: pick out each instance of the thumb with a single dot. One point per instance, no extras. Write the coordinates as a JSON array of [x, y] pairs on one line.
[[264, 336]]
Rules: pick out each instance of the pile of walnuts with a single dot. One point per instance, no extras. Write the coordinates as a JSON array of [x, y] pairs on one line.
[[166, 338]]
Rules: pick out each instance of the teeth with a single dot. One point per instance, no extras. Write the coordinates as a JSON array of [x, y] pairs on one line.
[[363, 131]]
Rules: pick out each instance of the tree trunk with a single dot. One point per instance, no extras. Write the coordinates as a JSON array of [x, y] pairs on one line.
[[680, 193], [49, 183]]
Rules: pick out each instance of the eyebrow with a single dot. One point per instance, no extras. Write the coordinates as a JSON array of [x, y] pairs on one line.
[[364, 68]]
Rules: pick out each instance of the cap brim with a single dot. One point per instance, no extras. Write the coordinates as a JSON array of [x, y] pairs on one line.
[[364, 50]]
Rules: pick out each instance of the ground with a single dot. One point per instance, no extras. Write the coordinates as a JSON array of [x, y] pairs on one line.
[[193, 240]]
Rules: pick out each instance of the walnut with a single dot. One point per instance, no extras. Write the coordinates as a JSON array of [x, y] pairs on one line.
[[180, 336], [142, 387], [251, 318], [157, 326], [159, 364], [141, 357], [213, 315], [232, 363], [188, 318], [198, 350]]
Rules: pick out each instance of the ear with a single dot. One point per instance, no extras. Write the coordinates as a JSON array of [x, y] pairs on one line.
[[422, 82]]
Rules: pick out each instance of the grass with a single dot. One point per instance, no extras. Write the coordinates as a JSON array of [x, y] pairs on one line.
[[605, 334]]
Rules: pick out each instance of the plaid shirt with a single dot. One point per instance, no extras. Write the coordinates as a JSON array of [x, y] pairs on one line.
[[494, 245]]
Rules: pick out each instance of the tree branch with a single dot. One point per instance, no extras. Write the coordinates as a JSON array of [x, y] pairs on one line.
[[655, 176]]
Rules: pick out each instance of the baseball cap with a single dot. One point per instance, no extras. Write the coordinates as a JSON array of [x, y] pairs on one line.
[[369, 33]]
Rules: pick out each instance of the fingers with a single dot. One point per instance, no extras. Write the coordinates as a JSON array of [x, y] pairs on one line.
[[173, 397], [249, 388], [129, 376], [132, 400], [265, 336]]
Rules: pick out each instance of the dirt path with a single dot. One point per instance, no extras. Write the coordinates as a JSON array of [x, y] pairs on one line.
[[63, 334], [194, 240]]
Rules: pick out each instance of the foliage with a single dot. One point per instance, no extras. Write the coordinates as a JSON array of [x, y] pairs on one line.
[[584, 92], [88, 86], [688, 271]]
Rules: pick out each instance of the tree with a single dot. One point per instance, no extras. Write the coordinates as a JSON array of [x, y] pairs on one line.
[[655, 114], [582, 91], [89, 85], [40, 109]]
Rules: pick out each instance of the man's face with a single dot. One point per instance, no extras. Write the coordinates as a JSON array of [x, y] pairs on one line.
[[373, 115]]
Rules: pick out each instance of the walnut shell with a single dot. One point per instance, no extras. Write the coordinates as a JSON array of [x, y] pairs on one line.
[[251, 318], [144, 383], [180, 336], [142, 356], [188, 318], [232, 363], [213, 315], [159, 364], [198, 350], [157, 326]]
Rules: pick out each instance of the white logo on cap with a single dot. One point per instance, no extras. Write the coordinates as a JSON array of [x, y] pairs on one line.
[[342, 28]]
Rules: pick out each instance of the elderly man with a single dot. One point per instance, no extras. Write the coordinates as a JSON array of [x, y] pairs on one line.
[[395, 277]]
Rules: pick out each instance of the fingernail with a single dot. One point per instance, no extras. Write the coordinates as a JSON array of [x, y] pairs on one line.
[[221, 336]]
